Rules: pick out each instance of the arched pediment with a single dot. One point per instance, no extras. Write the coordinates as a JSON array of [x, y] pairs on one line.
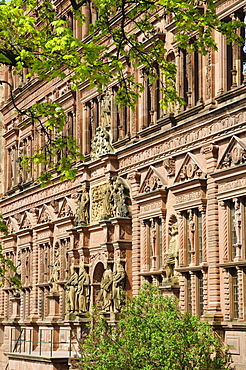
[[153, 180], [191, 168], [234, 154]]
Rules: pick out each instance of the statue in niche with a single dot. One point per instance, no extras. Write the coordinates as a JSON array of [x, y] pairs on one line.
[[55, 272], [172, 254], [191, 230], [120, 199], [237, 221], [106, 109], [105, 294], [82, 212], [71, 288], [83, 290], [107, 200], [118, 278]]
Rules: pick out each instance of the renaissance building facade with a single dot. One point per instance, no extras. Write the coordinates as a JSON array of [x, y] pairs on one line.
[[159, 198]]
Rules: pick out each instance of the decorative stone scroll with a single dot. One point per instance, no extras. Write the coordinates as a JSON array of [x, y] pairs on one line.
[[169, 165], [101, 144], [190, 168], [234, 154]]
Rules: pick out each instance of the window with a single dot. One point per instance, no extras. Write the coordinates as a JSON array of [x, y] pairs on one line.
[[154, 243], [193, 237], [200, 293], [234, 294]]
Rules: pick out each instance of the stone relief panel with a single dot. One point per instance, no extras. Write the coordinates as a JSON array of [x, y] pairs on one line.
[[12, 225], [235, 154], [26, 222], [46, 214], [153, 180], [190, 168], [110, 199]]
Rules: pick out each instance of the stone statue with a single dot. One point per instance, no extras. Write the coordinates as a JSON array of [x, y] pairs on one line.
[[118, 278], [172, 254], [82, 216], [105, 294], [106, 109], [20, 166], [83, 290], [120, 206], [191, 230], [55, 272], [237, 221], [71, 288]]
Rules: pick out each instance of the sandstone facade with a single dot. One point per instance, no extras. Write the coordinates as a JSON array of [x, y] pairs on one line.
[[160, 197]]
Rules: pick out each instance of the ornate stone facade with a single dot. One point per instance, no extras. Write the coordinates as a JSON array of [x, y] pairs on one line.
[[160, 197]]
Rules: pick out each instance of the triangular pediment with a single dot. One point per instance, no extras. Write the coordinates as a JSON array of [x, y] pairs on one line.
[[67, 208], [46, 214], [234, 155], [190, 168], [12, 225], [26, 221], [153, 180]]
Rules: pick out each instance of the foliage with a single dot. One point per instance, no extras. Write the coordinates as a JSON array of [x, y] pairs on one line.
[[6, 264], [152, 334], [33, 36]]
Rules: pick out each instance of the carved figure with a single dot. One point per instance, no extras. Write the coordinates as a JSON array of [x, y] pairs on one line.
[[120, 199], [20, 166], [169, 165], [105, 294], [83, 290], [172, 254], [118, 278], [106, 109], [191, 230], [71, 288], [237, 221], [55, 272], [83, 207]]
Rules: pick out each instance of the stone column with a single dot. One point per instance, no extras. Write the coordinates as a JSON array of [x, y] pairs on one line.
[[134, 180], [214, 307]]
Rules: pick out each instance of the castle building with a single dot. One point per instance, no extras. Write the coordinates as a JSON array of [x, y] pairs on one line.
[[160, 197]]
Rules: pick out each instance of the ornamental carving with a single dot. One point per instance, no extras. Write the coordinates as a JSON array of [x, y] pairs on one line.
[[66, 208], [26, 222], [234, 154], [101, 144], [152, 181], [190, 169], [169, 165], [110, 199]]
